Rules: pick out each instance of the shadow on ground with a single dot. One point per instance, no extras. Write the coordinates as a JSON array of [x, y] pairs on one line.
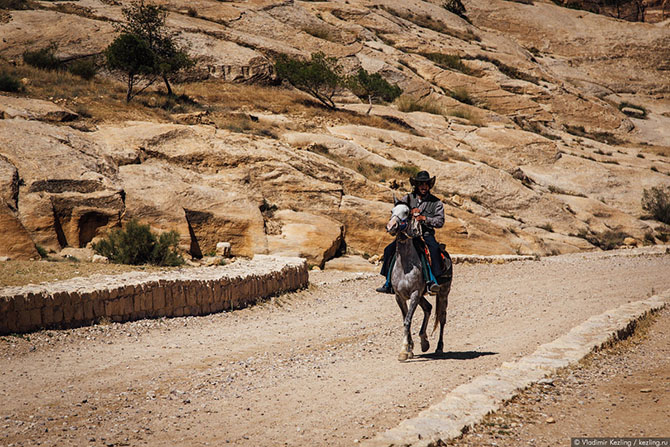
[[455, 355]]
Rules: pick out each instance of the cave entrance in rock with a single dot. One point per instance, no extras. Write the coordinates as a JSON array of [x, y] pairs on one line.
[[88, 226]]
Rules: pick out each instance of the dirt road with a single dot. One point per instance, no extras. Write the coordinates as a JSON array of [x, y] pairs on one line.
[[316, 368]]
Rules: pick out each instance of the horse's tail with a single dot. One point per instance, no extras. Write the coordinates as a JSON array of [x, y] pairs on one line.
[[441, 302]]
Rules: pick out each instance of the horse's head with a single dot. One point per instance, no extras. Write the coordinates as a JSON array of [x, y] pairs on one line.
[[402, 221]]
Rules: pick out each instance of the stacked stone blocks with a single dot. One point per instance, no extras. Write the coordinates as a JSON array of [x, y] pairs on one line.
[[137, 295]]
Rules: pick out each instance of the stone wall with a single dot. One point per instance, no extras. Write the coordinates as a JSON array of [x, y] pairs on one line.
[[137, 295]]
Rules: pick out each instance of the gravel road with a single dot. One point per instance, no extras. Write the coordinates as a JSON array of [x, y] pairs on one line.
[[316, 367]]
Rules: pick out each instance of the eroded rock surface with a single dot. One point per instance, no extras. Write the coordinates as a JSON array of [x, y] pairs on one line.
[[526, 137]]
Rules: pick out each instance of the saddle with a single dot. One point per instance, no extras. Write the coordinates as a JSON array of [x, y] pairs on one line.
[[424, 255], [445, 261]]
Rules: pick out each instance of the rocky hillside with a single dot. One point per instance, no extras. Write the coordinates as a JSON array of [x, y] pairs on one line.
[[542, 124]]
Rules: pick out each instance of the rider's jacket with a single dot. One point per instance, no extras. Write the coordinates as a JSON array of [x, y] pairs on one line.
[[431, 207]]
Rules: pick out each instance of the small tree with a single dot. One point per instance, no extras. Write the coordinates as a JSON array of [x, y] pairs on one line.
[[320, 76], [369, 86], [656, 201], [148, 23], [132, 56]]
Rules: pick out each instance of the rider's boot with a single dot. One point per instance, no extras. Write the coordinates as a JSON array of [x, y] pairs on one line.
[[386, 288], [432, 287]]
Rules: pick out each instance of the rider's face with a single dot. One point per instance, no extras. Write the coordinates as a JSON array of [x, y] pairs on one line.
[[423, 188]]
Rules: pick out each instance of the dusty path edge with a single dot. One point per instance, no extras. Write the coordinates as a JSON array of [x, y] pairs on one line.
[[467, 404]]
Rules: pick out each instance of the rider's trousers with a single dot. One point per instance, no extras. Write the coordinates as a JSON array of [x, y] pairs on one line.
[[433, 248]]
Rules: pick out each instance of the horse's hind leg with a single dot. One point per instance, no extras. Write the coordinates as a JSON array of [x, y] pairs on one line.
[[441, 314], [427, 307], [408, 344]]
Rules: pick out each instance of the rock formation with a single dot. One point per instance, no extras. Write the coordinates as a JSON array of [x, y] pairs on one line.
[[525, 135]]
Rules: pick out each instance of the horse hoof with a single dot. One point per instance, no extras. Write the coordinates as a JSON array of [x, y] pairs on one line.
[[425, 344], [440, 349], [403, 357]]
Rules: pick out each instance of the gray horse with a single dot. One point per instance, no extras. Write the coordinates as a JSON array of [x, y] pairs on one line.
[[408, 282]]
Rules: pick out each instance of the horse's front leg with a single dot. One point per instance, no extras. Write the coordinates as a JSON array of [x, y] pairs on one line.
[[402, 304], [408, 344], [426, 306]]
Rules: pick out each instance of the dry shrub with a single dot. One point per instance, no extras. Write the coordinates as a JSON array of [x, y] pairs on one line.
[[227, 97], [406, 103], [603, 137], [656, 201], [9, 83], [104, 98], [71, 8], [243, 123], [84, 68], [462, 95], [606, 240], [16, 4], [450, 61], [44, 58], [427, 21], [474, 118]]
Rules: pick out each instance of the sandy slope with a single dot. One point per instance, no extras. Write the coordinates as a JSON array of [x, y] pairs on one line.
[[316, 367]]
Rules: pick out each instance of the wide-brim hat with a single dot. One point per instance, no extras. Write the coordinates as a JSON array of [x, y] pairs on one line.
[[422, 177]]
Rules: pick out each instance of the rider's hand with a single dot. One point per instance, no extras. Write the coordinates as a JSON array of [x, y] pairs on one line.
[[420, 218], [416, 211]]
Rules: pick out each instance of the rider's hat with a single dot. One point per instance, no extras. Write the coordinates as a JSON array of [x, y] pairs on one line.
[[422, 177]]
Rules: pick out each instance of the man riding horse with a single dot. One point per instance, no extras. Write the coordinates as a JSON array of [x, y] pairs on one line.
[[430, 212]]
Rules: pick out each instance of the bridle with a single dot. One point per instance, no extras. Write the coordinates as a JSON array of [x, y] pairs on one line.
[[402, 224]]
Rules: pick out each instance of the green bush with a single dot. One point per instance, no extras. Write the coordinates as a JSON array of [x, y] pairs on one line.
[[9, 83], [656, 201], [508, 70], [84, 68], [42, 251], [15, 4], [448, 61], [368, 86], [136, 244], [455, 7], [44, 58]]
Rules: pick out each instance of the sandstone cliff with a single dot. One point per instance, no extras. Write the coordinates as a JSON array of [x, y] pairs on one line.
[[531, 150]]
